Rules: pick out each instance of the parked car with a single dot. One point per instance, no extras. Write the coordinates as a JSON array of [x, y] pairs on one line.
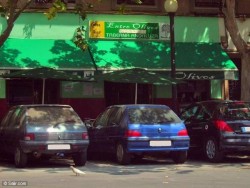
[[134, 130], [218, 127], [43, 131]]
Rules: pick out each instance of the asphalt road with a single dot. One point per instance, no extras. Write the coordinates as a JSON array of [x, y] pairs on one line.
[[146, 173]]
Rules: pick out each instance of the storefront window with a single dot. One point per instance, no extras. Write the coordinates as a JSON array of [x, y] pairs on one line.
[[132, 2], [28, 91], [207, 3], [43, 1], [193, 91], [50, 1], [19, 92], [148, 5]]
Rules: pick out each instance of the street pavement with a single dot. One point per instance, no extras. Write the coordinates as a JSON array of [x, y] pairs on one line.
[[147, 173]]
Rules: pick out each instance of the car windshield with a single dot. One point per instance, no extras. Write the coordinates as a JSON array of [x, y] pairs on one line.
[[234, 110], [53, 115], [148, 115]]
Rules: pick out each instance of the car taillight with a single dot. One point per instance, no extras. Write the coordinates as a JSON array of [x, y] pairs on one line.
[[85, 136], [132, 133], [183, 132], [223, 126], [29, 136]]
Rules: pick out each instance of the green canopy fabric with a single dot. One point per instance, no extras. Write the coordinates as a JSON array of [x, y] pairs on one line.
[[205, 58], [198, 59], [33, 53]]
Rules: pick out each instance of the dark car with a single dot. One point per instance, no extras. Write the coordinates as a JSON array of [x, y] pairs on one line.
[[134, 130], [43, 131], [218, 128]]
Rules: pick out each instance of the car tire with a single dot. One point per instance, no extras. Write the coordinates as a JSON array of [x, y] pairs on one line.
[[179, 157], [20, 158], [122, 156], [211, 150], [80, 159]]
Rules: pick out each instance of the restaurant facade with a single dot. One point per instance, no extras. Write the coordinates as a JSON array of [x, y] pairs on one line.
[[114, 42]]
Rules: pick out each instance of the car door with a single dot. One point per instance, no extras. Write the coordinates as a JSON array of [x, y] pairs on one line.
[[113, 128], [4, 129], [97, 133], [10, 130], [189, 116], [14, 131]]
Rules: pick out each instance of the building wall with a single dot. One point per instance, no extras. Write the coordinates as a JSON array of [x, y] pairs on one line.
[[63, 26], [186, 7]]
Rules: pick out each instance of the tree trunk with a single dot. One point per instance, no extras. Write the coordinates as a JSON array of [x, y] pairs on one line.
[[228, 10], [245, 78], [11, 16]]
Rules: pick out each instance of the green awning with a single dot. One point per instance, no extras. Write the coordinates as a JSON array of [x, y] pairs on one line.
[[193, 60], [32, 53]]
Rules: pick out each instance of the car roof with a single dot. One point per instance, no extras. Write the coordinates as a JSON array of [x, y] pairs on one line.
[[210, 104], [42, 105], [214, 101], [218, 101], [139, 105]]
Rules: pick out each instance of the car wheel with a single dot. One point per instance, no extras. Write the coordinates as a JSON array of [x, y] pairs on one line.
[[122, 156], [211, 150], [20, 158], [179, 157], [80, 158]]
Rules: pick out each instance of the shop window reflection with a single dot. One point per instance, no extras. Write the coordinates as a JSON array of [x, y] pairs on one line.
[[193, 91]]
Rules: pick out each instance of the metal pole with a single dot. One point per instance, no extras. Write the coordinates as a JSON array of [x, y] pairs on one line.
[[173, 68], [136, 92], [43, 91]]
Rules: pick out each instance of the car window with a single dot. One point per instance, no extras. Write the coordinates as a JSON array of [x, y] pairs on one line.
[[115, 116], [102, 119], [20, 117], [15, 117], [234, 110], [149, 115], [189, 112], [50, 114], [6, 119], [203, 114]]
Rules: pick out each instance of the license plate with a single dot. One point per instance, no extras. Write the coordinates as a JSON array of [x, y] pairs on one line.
[[245, 129], [159, 143], [58, 146]]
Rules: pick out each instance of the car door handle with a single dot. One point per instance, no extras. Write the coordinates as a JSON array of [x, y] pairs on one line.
[[196, 128]]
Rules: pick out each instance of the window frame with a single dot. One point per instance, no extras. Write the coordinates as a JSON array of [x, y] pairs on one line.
[[138, 7], [204, 9], [45, 5], [208, 2]]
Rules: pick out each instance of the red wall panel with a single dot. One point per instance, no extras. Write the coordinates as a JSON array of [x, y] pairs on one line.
[[86, 108]]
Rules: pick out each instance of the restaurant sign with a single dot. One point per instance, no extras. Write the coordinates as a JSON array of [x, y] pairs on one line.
[[129, 30], [207, 75], [204, 75]]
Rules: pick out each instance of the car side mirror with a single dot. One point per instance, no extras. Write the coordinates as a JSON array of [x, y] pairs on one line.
[[88, 122], [113, 124]]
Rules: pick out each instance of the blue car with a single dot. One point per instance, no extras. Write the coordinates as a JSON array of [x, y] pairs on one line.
[[130, 131]]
